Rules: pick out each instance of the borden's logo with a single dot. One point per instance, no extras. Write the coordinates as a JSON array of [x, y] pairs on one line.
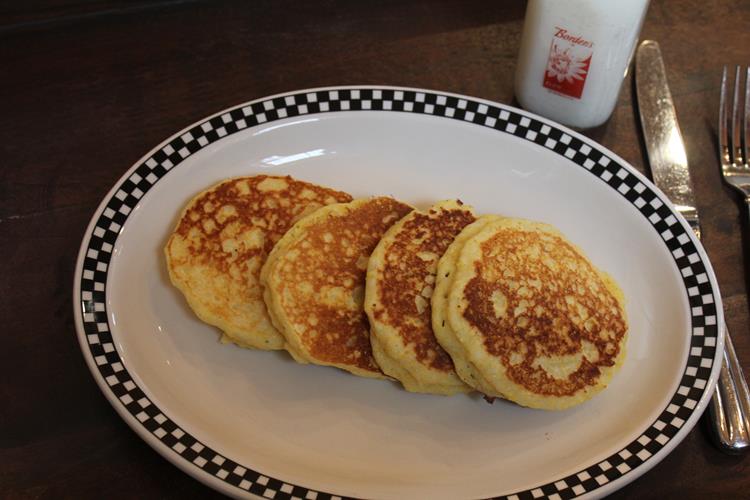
[[568, 63], [563, 33]]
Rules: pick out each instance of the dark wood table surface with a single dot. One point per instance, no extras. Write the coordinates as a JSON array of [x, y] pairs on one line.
[[87, 87]]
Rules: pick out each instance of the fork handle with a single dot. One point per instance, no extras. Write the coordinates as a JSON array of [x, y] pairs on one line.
[[729, 408]]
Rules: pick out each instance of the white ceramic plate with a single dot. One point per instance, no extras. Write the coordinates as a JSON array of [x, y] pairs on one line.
[[248, 422]]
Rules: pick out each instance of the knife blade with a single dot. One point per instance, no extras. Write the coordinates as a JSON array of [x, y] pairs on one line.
[[664, 144], [729, 408]]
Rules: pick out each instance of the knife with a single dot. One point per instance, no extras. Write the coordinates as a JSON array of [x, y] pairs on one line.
[[729, 409]]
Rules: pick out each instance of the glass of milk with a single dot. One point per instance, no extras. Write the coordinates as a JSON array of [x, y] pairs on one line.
[[574, 57]]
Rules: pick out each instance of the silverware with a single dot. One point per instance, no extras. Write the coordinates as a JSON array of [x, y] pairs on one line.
[[729, 409], [732, 147]]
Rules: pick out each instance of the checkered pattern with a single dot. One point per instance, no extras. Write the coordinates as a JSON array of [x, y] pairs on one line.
[[137, 182]]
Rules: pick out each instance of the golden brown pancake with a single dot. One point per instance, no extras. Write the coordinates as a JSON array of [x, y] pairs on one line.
[[400, 282], [221, 241], [537, 323], [314, 283]]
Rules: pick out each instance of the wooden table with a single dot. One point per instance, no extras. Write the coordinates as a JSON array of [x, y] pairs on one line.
[[88, 87]]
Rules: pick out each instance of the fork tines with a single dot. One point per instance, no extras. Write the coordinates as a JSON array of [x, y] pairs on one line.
[[734, 130]]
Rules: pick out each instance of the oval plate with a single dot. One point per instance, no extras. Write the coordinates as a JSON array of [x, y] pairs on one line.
[[255, 423]]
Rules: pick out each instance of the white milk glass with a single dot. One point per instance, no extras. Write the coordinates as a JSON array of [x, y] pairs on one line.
[[574, 57]]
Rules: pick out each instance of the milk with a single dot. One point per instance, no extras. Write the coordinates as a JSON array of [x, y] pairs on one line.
[[574, 57]]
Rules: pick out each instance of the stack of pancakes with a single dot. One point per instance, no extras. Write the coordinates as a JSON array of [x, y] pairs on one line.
[[442, 300]]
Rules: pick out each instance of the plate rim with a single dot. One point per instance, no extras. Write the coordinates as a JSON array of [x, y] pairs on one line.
[[470, 109]]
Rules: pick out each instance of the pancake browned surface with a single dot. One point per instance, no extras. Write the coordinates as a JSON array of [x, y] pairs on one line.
[[221, 241], [537, 321], [400, 282], [315, 279]]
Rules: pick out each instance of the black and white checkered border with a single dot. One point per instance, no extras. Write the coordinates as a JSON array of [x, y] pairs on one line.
[[142, 177]]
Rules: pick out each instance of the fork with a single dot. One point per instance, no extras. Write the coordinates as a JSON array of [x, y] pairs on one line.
[[733, 141], [730, 405]]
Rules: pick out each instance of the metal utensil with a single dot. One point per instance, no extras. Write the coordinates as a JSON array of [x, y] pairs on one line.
[[735, 164], [729, 410]]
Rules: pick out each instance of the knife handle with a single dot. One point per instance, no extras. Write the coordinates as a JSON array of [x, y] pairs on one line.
[[729, 408]]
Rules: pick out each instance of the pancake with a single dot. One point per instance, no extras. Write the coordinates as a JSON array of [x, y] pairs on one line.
[[221, 241], [537, 322], [314, 283], [400, 281]]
